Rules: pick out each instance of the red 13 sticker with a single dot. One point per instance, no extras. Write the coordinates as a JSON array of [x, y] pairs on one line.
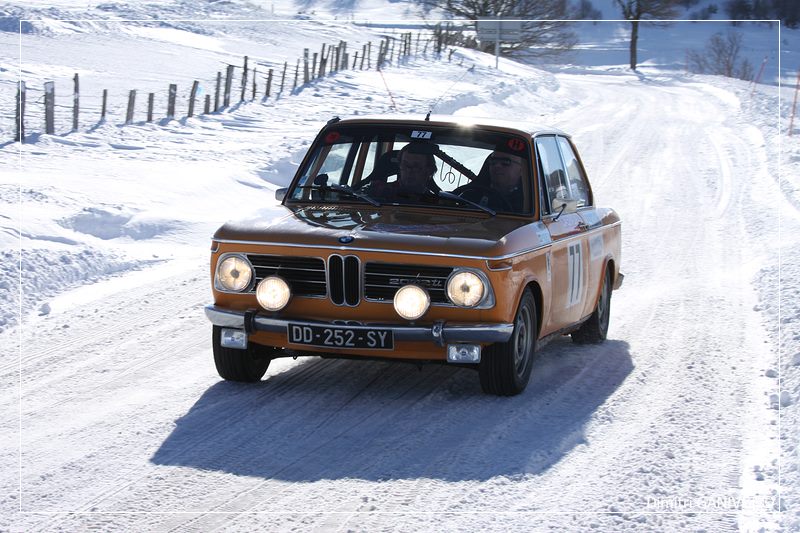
[[516, 145]]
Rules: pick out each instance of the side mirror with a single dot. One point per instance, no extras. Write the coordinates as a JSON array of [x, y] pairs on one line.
[[565, 205], [570, 205], [280, 194]]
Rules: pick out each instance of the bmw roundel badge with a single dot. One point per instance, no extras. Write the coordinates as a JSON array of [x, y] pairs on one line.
[[347, 239]]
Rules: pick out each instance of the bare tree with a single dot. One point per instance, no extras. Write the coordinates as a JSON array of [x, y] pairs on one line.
[[721, 56], [546, 36], [637, 10]]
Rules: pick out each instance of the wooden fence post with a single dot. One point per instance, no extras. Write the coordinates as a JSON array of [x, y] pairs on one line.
[[305, 66], [296, 73], [336, 58], [345, 55], [355, 61], [216, 93], [226, 97], [75, 103], [369, 55], [363, 54], [269, 82], [173, 92], [283, 76], [131, 103], [322, 61], [794, 102], [151, 99], [20, 136], [255, 70], [49, 107], [314, 65], [192, 96], [208, 104], [244, 79], [103, 108]]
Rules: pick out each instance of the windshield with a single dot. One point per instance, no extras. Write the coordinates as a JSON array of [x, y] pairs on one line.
[[448, 167]]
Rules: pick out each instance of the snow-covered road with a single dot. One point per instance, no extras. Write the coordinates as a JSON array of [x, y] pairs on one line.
[[123, 424], [666, 426]]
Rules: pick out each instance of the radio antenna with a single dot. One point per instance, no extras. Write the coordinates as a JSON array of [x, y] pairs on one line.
[[470, 69]]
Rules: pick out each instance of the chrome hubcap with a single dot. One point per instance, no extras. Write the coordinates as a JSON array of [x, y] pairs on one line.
[[602, 307], [522, 341]]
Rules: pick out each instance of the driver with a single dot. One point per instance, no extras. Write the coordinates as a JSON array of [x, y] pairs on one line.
[[414, 180], [506, 172]]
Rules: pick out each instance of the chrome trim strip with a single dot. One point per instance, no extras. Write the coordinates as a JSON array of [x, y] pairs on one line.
[[387, 251], [411, 252], [587, 232], [437, 333]]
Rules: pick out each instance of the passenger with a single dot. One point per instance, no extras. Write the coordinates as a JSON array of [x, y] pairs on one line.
[[504, 191]]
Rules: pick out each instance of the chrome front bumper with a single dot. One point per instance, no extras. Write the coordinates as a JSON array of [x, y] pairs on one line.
[[440, 333]]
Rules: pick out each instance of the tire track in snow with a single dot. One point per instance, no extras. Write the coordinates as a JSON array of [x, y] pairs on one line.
[[287, 498]]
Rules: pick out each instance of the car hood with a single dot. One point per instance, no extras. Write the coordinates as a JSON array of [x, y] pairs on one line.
[[385, 228]]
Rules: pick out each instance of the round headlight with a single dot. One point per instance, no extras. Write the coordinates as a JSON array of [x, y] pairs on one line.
[[234, 273], [465, 289], [273, 293], [411, 302]]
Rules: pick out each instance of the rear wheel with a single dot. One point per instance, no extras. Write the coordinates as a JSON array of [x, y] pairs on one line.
[[246, 365], [506, 367], [595, 329]]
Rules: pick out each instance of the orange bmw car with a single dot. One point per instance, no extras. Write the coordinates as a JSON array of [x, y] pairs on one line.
[[435, 239]]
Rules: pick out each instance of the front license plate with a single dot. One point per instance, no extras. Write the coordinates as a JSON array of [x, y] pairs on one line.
[[340, 337]]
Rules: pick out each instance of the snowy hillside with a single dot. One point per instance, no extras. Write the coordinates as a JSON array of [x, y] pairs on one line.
[[114, 417]]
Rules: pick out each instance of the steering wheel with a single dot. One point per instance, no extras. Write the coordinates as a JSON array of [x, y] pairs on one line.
[[494, 198]]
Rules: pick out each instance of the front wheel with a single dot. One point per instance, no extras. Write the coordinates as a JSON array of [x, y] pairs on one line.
[[248, 365], [506, 367], [595, 329]]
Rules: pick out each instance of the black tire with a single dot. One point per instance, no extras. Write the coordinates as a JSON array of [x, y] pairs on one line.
[[505, 368], [248, 365], [595, 329]]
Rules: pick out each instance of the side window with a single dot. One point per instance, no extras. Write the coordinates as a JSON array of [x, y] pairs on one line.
[[579, 190], [368, 155], [553, 172]]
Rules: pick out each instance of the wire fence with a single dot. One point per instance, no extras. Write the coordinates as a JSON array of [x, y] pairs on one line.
[[251, 80]]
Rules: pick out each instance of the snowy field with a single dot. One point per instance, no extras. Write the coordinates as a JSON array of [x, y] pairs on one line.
[[113, 416]]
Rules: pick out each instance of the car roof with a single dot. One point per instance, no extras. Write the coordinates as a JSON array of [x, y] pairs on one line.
[[451, 120]]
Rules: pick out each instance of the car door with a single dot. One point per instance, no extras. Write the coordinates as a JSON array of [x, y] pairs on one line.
[[569, 250], [595, 238]]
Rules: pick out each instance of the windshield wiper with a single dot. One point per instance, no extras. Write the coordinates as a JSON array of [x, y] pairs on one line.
[[457, 198], [352, 192], [342, 189]]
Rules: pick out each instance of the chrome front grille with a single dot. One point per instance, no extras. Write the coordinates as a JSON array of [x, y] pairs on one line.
[[344, 279], [381, 280], [305, 275]]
